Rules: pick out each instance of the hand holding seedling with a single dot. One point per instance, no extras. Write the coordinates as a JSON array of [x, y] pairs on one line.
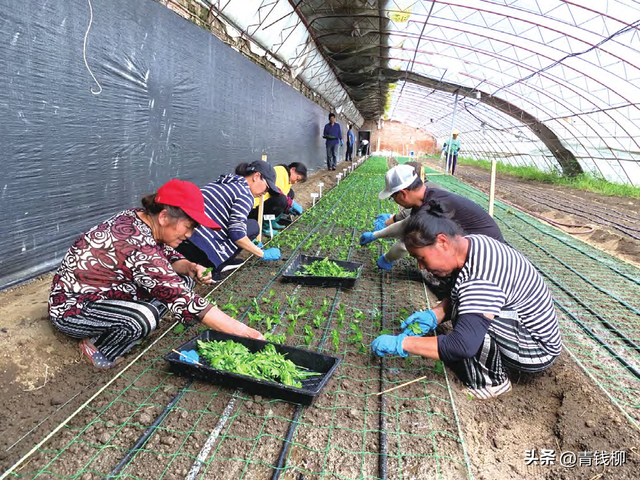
[[419, 323], [203, 275]]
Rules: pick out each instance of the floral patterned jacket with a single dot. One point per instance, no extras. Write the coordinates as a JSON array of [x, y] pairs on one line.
[[120, 260]]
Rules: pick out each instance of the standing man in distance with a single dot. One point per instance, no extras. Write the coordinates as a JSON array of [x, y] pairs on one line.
[[351, 139], [333, 135], [450, 150]]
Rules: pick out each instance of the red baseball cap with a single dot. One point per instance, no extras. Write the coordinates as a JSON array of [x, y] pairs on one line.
[[187, 196]]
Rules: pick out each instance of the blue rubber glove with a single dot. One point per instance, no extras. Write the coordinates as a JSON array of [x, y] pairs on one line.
[[384, 264], [367, 237], [426, 319], [257, 243], [271, 254], [341, 143], [379, 222], [389, 345], [296, 208], [190, 356]]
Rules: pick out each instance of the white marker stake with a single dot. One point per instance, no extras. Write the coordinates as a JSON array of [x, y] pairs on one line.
[[339, 176], [321, 185], [345, 172], [314, 196], [269, 218]]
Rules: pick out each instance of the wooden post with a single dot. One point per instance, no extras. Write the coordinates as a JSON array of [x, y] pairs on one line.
[[261, 210], [492, 189]]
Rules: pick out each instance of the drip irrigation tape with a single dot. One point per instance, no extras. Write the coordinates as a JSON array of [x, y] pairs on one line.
[[208, 445], [278, 469], [382, 424], [149, 431], [293, 425]]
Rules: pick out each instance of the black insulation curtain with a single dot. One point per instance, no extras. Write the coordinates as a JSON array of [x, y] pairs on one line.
[[169, 100]]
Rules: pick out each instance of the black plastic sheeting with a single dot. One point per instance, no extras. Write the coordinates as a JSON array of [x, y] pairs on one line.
[[172, 101]]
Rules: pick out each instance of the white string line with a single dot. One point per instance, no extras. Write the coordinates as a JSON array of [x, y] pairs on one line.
[[84, 52]]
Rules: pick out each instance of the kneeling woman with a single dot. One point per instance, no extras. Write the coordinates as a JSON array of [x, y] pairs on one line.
[[282, 201], [502, 311], [118, 279]]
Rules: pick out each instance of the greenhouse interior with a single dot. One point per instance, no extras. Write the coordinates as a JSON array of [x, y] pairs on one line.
[[320, 239]]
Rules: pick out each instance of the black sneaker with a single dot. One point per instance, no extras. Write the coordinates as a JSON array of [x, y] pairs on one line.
[[230, 265]]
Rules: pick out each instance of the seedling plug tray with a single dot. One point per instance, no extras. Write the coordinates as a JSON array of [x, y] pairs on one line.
[[289, 274], [325, 365]]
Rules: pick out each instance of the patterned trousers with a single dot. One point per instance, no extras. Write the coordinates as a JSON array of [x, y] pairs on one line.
[[115, 326], [507, 345]]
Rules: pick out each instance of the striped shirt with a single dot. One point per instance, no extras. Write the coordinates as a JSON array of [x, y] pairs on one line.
[[228, 202], [496, 279]]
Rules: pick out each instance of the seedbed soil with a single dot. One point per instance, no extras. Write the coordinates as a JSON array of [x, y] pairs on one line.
[[432, 429]]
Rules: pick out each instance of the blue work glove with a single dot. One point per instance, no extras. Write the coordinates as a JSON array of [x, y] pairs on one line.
[[190, 356], [384, 264], [367, 237], [296, 208], [257, 243], [341, 144], [379, 222], [389, 345], [271, 254], [426, 319]]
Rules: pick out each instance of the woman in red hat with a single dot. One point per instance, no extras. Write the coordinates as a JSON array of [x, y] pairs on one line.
[[117, 280]]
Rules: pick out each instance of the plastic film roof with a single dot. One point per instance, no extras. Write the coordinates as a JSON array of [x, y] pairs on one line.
[[551, 83]]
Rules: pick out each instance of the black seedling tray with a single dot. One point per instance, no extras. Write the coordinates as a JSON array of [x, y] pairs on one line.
[[311, 387], [289, 273]]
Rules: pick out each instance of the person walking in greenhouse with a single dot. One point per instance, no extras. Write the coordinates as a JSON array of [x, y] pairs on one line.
[[281, 203], [351, 140], [406, 188], [450, 151], [228, 201], [118, 279], [502, 312], [333, 135]]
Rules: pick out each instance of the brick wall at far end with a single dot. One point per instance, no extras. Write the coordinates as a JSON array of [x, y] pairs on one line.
[[401, 138]]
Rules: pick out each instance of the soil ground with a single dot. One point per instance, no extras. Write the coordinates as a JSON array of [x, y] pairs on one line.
[[44, 378]]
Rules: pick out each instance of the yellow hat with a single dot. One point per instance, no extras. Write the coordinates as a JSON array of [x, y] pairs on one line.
[[455, 132]]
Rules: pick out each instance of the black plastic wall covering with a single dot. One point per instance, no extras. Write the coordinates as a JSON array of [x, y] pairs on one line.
[[172, 101]]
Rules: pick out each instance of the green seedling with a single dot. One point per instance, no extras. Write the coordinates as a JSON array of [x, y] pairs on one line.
[[275, 308], [386, 331], [439, 366], [358, 316], [415, 328], [266, 364], [308, 335], [207, 271], [179, 328], [291, 301], [325, 268], [362, 348], [270, 337], [335, 339], [317, 319], [254, 318]]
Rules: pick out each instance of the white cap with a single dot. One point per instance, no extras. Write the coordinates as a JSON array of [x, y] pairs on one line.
[[396, 179]]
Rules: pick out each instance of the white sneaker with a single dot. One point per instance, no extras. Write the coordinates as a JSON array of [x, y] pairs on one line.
[[489, 392]]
